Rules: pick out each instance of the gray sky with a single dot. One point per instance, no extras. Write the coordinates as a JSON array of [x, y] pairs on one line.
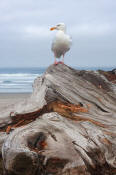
[[25, 39]]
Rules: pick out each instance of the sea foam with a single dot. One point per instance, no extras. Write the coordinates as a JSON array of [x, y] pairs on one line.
[[18, 80]]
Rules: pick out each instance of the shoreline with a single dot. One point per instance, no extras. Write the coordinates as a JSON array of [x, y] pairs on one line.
[[14, 95], [7, 99]]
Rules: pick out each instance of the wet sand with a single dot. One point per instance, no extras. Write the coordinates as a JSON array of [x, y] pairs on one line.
[[7, 99]]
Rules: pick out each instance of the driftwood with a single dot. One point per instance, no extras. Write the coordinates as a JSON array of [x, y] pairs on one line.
[[66, 127]]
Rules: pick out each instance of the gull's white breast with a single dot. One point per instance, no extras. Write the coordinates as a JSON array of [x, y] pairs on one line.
[[61, 44]]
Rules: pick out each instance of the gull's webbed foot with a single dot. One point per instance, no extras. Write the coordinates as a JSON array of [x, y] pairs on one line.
[[55, 62], [60, 62]]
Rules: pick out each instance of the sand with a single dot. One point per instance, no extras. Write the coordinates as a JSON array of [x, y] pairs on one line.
[[7, 99]]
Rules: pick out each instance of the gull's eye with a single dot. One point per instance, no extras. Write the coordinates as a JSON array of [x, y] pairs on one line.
[[58, 25]]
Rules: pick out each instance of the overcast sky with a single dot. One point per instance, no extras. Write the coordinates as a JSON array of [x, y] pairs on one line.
[[25, 38]]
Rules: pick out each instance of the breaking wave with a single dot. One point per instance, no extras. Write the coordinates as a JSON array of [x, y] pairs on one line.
[[11, 81]]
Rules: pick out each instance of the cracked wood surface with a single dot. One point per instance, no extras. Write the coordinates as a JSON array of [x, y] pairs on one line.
[[66, 127]]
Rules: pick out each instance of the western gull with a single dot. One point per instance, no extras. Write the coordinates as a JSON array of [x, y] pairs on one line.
[[61, 43]]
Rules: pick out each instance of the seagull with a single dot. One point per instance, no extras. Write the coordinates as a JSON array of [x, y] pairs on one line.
[[61, 43]]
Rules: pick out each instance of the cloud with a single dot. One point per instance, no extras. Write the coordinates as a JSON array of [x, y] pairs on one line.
[[25, 35], [37, 32], [93, 29]]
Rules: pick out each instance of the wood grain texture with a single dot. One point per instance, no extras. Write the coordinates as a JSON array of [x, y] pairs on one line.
[[66, 127]]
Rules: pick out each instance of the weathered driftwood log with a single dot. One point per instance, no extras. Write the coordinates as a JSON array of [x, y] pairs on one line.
[[66, 127]]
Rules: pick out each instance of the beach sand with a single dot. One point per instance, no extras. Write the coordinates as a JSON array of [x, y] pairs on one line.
[[7, 99]]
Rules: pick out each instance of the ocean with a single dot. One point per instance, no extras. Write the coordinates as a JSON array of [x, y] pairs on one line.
[[20, 80]]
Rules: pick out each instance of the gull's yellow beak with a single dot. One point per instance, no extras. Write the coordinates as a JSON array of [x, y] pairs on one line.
[[52, 28]]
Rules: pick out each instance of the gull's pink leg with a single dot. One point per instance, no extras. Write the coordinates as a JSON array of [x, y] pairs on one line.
[[55, 62], [62, 62], [63, 59]]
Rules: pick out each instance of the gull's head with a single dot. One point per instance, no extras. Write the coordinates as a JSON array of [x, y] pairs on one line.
[[60, 26]]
